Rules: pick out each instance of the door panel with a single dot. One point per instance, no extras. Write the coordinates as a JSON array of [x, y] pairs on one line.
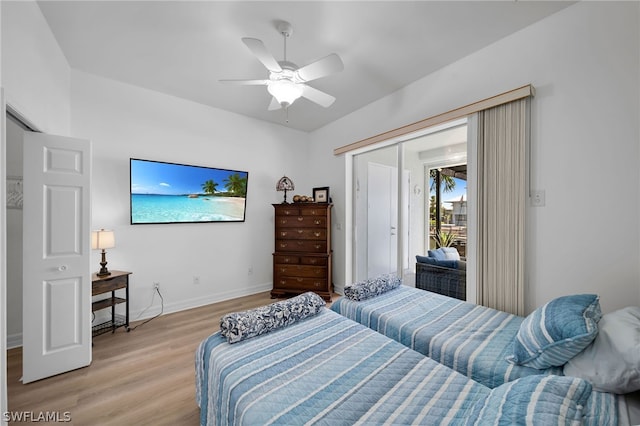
[[382, 220], [56, 257]]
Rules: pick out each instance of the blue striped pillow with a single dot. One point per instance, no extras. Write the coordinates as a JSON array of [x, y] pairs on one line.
[[533, 400], [556, 332]]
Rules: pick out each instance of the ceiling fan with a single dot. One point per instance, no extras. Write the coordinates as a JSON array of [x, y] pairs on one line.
[[287, 81]]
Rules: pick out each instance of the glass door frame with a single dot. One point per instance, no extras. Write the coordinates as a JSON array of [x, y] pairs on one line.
[[350, 194]]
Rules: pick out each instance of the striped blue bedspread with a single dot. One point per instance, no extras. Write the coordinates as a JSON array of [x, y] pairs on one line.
[[471, 339], [327, 370]]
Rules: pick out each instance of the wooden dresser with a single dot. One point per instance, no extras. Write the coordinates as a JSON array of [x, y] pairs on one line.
[[302, 257]]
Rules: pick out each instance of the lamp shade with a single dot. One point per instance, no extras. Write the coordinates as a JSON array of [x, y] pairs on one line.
[[102, 239], [285, 91], [285, 184]]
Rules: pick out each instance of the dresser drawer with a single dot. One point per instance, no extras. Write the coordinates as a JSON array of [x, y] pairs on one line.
[[283, 259], [318, 261], [301, 271], [108, 285], [308, 246], [298, 283], [302, 234], [300, 222], [314, 211], [287, 211]]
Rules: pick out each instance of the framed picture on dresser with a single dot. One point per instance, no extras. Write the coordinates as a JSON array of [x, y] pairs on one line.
[[321, 195]]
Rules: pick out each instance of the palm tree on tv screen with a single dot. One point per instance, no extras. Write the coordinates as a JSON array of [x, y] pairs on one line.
[[236, 184], [209, 187]]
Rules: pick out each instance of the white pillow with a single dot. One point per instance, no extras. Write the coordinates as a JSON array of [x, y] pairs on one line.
[[612, 362], [446, 253]]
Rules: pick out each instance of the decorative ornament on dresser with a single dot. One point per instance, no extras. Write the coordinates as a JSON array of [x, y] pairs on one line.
[[302, 256], [285, 184]]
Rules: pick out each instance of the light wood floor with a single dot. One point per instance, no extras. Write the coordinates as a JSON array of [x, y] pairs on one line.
[[144, 377]]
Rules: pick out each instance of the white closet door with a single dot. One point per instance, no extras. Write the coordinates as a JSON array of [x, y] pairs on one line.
[[56, 258]]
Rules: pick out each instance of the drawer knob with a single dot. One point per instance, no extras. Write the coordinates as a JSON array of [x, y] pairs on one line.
[[62, 268], [300, 218], [299, 280], [318, 246], [283, 245], [317, 234], [317, 221], [283, 233]]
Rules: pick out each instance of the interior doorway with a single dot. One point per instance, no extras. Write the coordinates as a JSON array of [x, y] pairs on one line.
[[15, 128], [53, 328]]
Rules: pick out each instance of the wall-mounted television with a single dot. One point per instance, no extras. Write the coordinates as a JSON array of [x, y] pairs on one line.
[[164, 192]]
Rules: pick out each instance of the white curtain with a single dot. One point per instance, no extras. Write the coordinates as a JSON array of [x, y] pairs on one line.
[[503, 133]]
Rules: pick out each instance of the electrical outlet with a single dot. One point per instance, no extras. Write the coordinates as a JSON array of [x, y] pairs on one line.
[[156, 285], [196, 280], [538, 198]]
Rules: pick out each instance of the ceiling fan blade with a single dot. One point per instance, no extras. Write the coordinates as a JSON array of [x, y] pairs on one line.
[[258, 48], [274, 105], [245, 82], [328, 65], [317, 96]]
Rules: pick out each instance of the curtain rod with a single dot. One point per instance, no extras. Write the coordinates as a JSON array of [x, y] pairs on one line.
[[454, 114]]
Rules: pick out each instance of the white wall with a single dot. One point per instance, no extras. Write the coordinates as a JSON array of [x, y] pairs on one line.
[[584, 63], [36, 81], [35, 73], [125, 121]]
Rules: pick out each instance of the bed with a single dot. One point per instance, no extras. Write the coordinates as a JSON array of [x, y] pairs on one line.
[[328, 369], [471, 339]]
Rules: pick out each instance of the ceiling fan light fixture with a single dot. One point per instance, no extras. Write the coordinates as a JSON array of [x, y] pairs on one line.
[[285, 91]]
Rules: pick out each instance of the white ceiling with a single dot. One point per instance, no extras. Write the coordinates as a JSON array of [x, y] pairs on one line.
[[183, 48]]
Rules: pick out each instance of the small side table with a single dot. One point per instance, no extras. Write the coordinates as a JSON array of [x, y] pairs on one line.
[[118, 280]]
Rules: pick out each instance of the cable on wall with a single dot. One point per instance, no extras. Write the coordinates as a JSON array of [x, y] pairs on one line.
[[151, 304]]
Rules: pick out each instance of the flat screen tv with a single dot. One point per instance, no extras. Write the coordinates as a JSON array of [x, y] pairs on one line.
[[179, 193]]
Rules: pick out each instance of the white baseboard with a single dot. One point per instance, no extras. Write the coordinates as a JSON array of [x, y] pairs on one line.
[[14, 340], [197, 302]]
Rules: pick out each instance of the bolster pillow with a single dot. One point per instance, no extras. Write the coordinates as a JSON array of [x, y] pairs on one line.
[[238, 326], [372, 287]]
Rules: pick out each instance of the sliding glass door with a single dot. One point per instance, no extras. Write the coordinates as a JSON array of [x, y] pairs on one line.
[[391, 200]]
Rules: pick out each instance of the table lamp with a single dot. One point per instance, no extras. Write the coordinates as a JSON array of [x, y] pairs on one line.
[[101, 240], [285, 184]]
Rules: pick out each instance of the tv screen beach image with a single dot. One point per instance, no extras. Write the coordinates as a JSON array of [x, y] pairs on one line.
[[179, 193]]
